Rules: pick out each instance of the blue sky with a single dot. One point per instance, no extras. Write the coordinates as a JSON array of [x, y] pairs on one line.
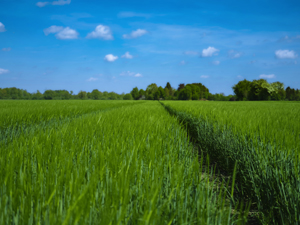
[[117, 45]]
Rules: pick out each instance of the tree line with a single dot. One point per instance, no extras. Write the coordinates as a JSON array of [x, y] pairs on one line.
[[243, 91], [15, 93], [257, 90]]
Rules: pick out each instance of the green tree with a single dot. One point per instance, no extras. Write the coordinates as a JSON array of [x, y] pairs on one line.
[[151, 89], [160, 93], [186, 93], [128, 97], [260, 90], [96, 94], [242, 90], [82, 95], [278, 92], [49, 94], [135, 93], [37, 96]]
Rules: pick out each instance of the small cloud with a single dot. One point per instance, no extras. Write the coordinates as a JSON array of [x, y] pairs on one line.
[[67, 33], [92, 79], [216, 62], [127, 73], [135, 34], [6, 49], [101, 32], [59, 2], [285, 54], [190, 53], [2, 71], [234, 54], [133, 14], [127, 56], [183, 63], [264, 76], [204, 76], [289, 39], [130, 74], [240, 77], [210, 51], [110, 58], [42, 4], [2, 27], [61, 32], [52, 30]]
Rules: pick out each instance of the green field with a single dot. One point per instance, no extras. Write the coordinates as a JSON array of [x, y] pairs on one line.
[[133, 162], [263, 138]]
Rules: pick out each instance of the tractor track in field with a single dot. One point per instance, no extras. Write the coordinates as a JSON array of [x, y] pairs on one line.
[[220, 174]]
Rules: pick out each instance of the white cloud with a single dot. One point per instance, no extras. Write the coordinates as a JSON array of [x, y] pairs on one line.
[[2, 27], [265, 76], [42, 4], [182, 62], [59, 2], [53, 29], [6, 49], [127, 73], [210, 51], [2, 71], [204, 76], [92, 79], [290, 39], [216, 62], [285, 54], [133, 14], [240, 77], [110, 58], [234, 54], [190, 53], [127, 56], [67, 33], [101, 32], [130, 74], [135, 34]]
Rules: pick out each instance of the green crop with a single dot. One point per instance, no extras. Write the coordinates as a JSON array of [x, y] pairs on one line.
[[263, 139], [130, 164]]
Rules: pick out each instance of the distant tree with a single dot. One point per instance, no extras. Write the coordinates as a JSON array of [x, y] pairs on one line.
[[49, 94], [168, 85], [242, 90], [151, 89], [260, 90], [37, 96], [141, 92], [278, 92], [82, 95], [96, 94], [186, 93], [135, 93], [169, 91], [128, 97], [180, 87], [160, 93], [290, 93]]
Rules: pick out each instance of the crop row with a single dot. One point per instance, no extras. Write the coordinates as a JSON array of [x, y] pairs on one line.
[[262, 139], [130, 165], [17, 113]]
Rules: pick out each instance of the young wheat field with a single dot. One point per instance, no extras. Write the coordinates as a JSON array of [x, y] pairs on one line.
[[138, 162]]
